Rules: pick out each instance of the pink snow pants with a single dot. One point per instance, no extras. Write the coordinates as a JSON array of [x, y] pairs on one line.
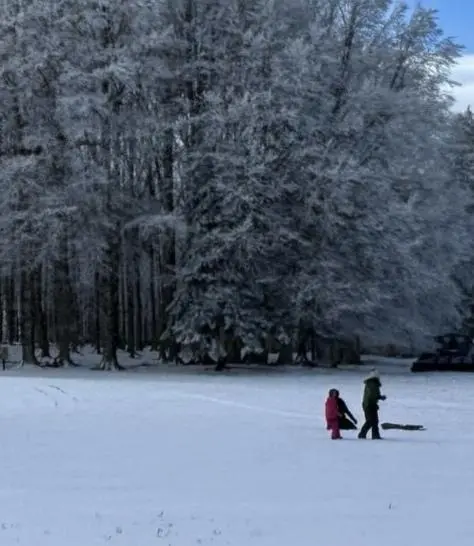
[[333, 426]]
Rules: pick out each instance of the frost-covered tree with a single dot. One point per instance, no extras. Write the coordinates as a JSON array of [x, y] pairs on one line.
[[462, 172], [218, 175], [377, 150], [234, 255], [32, 161], [79, 80]]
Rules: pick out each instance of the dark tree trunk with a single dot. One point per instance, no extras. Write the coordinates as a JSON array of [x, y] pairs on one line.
[[11, 311], [64, 303], [285, 354], [166, 297], [97, 307], [42, 317], [234, 349], [111, 310], [131, 341], [140, 341], [341, 85], [124, 302], [153, 319], [168, 257], [2, 310], [27, 319]]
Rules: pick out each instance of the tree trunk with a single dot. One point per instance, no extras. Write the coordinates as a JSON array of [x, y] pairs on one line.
[[234, 349], [64, 303], [97, 307], [11, 310], [27, 320], [111, 309], [124, 302], [285, 354], [2, 310], [335, 353], [138, 309], [168, 257], [42, 318], [131, 317], [341, 85], [153, 319]]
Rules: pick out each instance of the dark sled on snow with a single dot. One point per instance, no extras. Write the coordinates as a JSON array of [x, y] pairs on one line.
[[455, 354], [395, 426], [346, 424]]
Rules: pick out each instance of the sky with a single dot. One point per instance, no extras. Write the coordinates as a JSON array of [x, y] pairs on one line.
[[456, 17]]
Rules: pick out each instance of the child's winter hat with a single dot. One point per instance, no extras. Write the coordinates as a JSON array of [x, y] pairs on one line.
[[374, 374]]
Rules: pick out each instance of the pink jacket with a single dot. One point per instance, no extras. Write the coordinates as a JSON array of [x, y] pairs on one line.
[[332, 411]]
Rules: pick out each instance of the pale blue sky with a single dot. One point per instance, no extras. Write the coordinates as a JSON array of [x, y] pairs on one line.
[[456, 18]]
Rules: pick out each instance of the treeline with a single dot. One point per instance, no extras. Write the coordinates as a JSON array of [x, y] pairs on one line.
[[225, 178]]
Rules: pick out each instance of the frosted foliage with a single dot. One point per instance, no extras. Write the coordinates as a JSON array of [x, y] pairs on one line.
[[280, 163], [463, 174]]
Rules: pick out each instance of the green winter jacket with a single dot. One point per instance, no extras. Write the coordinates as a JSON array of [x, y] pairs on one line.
[[372, 394]]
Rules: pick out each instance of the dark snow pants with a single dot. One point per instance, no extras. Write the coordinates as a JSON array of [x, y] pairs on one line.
[[371, 423]]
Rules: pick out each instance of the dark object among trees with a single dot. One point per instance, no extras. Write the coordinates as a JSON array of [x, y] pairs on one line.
[[455, 354]]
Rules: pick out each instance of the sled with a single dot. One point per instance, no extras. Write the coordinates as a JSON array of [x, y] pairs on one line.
[[346, 424], [395, 426]]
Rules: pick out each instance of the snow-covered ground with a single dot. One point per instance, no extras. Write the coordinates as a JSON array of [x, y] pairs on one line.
[[181, 459]]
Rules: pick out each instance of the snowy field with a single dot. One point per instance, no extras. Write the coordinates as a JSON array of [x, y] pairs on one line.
[[183, 459]]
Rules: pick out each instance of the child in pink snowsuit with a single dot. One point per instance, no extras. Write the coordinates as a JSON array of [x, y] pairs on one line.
[[332, 415]]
